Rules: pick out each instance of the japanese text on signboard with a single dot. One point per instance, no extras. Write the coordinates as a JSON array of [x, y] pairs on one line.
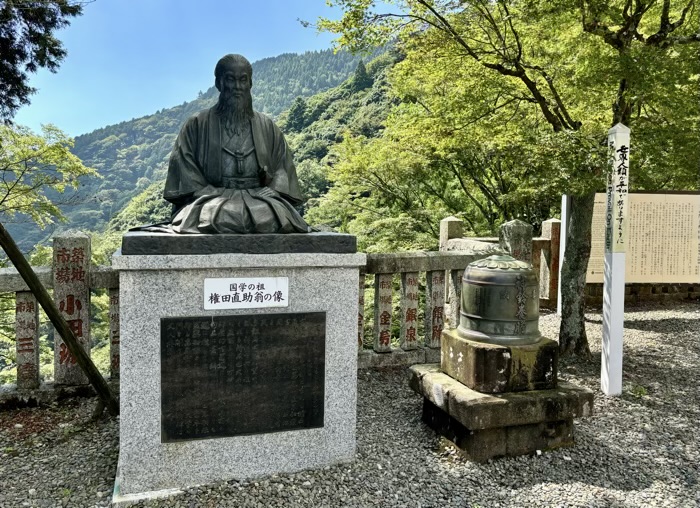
[[617, 193], [246, 293]]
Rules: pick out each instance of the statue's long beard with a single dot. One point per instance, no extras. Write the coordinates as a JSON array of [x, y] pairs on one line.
[[234, 112]]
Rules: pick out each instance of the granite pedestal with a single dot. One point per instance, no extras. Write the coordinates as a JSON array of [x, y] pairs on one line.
[[496, 368], [486, 426], [166, 292]]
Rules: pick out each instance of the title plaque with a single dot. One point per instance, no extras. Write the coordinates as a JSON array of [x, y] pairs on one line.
[[247, 374], [246, 293]]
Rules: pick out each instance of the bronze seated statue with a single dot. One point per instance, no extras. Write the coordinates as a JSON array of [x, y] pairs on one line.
[[231, 170]]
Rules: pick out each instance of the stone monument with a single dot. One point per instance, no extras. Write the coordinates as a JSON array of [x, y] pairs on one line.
[[238, 351], [496, 392]]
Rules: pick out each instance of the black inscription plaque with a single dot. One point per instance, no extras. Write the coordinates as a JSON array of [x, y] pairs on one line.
[[246, 374]]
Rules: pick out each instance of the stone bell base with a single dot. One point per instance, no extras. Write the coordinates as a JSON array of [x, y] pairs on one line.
[[492, 368], [486, 426]]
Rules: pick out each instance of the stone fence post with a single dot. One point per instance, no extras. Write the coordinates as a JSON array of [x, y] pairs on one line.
[[71, 292], [114, 334], [549, 262], [516, 239], [27, 340], [450, 227]]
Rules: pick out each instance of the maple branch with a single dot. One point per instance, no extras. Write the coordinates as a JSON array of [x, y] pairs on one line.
[[517, 71], [666, 27]]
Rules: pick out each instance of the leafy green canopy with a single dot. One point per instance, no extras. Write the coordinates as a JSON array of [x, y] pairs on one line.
[[33, 165], [505, 105], [529, 88], [34, 170], [27, 43]]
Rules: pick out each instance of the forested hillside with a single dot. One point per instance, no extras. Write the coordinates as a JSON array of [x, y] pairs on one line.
[[280, 79], [132, 155]]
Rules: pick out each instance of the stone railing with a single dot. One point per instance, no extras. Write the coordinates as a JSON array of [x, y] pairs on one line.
[[72, 278], [428, 286], [516, 239], [442, 289]]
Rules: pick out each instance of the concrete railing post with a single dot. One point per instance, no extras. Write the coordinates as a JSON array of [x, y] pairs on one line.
[[434, 307], [454, 292], [361, 312], [383, 289], [114, 336], [27, 339], [409, 311], [71, 292], [450, 227]]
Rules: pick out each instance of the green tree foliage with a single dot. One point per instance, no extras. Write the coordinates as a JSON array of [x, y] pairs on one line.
[[278, 80], [296, 116], [330, 116], [506, 105], [33, 170], [148, 206], [32, 166], [361, 80], [27, 43]]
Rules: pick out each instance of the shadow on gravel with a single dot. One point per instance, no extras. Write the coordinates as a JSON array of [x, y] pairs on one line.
[[668, 325], [619, 461]]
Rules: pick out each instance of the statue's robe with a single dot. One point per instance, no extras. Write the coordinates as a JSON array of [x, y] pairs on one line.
[[202, 201]]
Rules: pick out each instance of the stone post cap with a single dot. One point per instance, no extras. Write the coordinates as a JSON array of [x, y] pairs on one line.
[[516, 223], [450, 227], [71, 233]]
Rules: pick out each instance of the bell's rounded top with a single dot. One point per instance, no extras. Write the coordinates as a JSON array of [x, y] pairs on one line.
[[500, 262]]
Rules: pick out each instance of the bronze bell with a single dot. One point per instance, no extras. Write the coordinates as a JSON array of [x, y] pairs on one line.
[[500, 302]]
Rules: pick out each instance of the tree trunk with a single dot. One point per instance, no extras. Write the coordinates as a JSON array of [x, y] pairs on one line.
[[572, 333]]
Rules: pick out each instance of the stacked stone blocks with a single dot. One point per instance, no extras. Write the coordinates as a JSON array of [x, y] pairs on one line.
[[495, 392]]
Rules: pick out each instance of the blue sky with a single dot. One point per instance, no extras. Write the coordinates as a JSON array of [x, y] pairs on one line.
[[130, 58]]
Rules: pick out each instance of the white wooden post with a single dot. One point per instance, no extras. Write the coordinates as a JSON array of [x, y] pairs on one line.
[[563, 236], [616, 224]]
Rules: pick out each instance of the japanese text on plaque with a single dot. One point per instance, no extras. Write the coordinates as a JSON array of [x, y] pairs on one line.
[[246, 293]]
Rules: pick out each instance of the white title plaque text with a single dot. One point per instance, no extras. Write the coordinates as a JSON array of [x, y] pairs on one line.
[[246, 293]]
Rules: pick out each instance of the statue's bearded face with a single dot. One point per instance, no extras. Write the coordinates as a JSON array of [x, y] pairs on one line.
[[235, 100]]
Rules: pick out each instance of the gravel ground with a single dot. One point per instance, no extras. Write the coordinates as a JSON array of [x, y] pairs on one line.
[[640, 449]]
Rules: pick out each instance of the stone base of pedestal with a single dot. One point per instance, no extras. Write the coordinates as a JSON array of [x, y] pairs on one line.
[[486, 426], [492, 368], [219, 393], [482, 445]]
